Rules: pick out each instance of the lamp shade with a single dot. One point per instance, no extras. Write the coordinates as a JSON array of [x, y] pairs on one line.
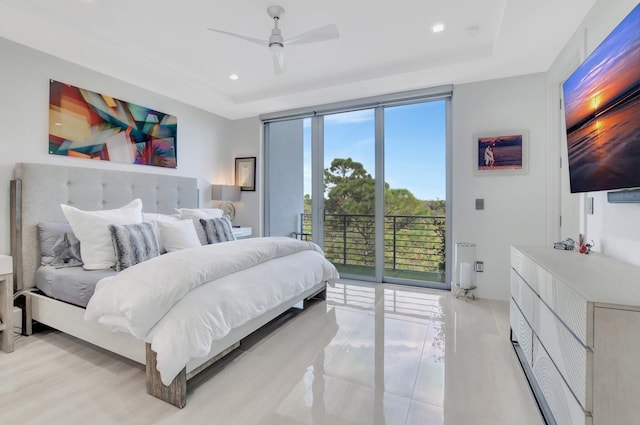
[[224, 192]]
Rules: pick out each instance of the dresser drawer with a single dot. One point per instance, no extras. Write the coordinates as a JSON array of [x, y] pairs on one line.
[[570, 307], [571, 358], [536, 277], [525, 267], [523, 296], [567, 304], [565, 408], [516, 259], [521, 331]]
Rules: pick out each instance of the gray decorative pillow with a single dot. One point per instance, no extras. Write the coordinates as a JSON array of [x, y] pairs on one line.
[[66, 252], [218, 230], [51, 234], [133, 243]]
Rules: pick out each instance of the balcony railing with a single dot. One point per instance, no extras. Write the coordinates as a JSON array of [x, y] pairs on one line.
[[413, 243]]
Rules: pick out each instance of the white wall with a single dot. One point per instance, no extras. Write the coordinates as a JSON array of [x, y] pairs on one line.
[[245, 140], [24, 105], [515, 209], [615, 228]]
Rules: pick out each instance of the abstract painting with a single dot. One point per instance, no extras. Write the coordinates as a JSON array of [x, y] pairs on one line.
[[91, 125]]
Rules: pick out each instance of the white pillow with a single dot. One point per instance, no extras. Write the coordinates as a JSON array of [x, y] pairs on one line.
[[160, 218], [195, 214], [205, 213], [92, 230], [178, 235], [165, 218]]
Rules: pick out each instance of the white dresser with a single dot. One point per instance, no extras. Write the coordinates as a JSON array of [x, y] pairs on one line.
[[575, 325]]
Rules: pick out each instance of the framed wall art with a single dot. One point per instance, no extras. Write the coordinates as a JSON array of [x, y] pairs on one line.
[[246, 173], [500, 153], [86, 124]]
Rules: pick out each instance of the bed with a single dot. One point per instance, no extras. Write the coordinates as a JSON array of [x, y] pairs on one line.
[[124, 317]]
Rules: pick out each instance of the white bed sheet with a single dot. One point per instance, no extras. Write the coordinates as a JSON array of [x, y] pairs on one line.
[[182, 301], [211, 311]]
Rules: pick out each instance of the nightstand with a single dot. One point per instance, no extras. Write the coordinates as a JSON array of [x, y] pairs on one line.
[[242, 232], [6, 303]]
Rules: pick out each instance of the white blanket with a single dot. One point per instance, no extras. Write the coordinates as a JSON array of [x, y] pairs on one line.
[[182, 301]]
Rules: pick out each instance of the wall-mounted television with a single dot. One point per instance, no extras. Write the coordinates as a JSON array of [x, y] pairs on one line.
[[602, 113]]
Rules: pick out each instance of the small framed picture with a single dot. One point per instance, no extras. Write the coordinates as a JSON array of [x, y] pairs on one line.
[[246, 173], [500, 153]]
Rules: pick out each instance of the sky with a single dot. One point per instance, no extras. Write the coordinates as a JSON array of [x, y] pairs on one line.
[[414, 144]]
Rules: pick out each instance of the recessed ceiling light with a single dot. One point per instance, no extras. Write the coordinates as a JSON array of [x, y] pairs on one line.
[[233, 77], [439, 27]]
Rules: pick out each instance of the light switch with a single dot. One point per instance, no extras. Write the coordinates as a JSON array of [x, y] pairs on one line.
[[479, 203]]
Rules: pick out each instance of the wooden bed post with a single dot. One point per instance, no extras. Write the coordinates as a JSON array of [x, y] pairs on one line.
[[15, 217], [175, 393]]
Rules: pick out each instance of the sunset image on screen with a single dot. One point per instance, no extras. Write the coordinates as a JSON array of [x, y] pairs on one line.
[[602, 112]]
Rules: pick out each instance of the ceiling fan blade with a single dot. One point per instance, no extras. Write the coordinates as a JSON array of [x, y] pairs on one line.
[[243, 37], [278, 62], [328, 32]]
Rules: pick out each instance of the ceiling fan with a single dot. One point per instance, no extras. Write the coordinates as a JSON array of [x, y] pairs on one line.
[[276, 42]]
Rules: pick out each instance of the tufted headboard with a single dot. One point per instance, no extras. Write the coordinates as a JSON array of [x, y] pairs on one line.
[[39, 189]]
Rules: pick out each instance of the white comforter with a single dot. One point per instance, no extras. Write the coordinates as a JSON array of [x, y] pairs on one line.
[[183, 301]]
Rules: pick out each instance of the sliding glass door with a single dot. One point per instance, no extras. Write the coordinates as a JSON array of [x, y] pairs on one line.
[[286, 178], [415, 192], [349, 192], [368, 185]]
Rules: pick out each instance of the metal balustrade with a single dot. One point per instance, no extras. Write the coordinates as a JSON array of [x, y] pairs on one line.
[[413, 243]]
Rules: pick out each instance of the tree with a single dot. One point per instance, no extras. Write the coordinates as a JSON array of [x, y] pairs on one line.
[[351, 194], [349, 188], [434, 207], [401, 202], [350, 208], [307, 203]]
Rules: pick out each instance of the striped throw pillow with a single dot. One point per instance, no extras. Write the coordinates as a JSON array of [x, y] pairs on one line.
[[218, 230], [133, 243]]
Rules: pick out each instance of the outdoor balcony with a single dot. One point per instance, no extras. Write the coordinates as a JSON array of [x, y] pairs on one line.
[[414, 245]]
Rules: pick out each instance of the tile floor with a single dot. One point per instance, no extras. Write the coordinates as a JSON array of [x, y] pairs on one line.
[[370, 354]]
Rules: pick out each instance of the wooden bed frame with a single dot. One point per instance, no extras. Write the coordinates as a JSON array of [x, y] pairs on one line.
[[36, 195]]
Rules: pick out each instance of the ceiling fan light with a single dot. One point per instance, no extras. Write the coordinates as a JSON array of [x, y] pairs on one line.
[[276, 48]]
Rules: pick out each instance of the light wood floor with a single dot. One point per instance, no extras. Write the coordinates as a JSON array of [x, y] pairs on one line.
[[380, 354]]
